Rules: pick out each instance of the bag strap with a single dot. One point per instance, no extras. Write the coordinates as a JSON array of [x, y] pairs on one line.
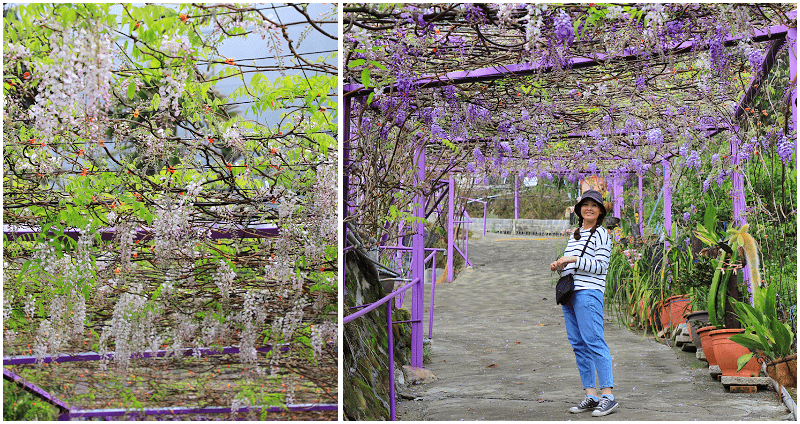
[[594, 230]]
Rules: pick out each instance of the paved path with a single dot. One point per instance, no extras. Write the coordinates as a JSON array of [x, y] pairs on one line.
[[500, 352]]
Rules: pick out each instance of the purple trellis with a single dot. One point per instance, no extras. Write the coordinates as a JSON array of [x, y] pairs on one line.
[[67, 412], [777, 33]]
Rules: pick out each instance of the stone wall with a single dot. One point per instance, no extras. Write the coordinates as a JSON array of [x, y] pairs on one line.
[[366, 362], [520, 226]]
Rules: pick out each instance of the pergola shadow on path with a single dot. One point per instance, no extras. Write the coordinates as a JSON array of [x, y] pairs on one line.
[[499, 351]]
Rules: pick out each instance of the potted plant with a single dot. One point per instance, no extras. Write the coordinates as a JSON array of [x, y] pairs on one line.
[[768, 338], [724, 266], [728, 352]]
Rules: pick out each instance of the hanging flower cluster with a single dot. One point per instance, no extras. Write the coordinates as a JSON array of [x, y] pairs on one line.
[[534, 105]]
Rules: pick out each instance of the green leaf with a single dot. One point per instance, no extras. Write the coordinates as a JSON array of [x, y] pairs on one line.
[[743, 360], [357, 62], [378, 65], [365, 78], [750, 341], [131, 89]]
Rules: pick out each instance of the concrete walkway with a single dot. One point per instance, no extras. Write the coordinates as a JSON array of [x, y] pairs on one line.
[[500, 352]]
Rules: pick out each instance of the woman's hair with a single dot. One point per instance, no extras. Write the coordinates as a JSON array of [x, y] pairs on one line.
[[600, 218]]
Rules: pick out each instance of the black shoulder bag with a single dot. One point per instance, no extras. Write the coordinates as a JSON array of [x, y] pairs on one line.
[[566, 284]]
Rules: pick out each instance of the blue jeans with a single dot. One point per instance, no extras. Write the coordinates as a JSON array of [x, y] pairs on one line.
[[583, 318]]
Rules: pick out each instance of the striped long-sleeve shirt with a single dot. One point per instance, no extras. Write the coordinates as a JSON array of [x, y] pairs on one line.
[[590, 270]]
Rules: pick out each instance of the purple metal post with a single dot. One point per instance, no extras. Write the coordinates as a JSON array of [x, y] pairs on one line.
[[516, 197], [641, 208], [791, 38], [433, 295], [617, 195], [667, 200], [390, 334], [739, 205], [451, 205], [418, 264]]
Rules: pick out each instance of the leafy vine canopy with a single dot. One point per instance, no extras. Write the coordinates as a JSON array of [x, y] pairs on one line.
[[568, 90], [160, 193]]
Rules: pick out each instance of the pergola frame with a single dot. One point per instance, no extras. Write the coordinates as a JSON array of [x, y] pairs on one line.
[[777, 35]]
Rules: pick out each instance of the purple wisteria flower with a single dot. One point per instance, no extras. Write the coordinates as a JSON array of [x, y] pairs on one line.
[[721, 177], [640, 82], [655, 136], [693, 161], [563, 28], [522, 145], [706, 184], [479, 158], [474, 14], [505, 148], [785, 147], [686, 216]]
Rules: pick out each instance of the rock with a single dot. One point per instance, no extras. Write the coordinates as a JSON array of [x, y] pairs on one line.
[[415, 375], [399, 379]]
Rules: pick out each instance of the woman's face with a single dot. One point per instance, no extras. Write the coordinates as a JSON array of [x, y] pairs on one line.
[[590, 211]]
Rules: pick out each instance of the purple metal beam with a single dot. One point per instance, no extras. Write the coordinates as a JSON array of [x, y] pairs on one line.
[[35, 390], [92, 356], [117, 412], [144, 233], [502, 71]]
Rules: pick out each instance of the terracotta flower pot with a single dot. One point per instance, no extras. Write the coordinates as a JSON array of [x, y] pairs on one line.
[[727, 354], [705, 340], [677, 309], [672, 311], [664, 311], [784, 371]]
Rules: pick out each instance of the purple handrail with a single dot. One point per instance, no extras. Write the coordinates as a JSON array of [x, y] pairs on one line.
[[484, 211]]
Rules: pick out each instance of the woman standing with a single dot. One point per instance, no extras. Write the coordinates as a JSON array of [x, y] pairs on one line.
[[583, 313]]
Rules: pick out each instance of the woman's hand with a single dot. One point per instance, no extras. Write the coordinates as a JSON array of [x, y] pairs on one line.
[[562, 262]]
